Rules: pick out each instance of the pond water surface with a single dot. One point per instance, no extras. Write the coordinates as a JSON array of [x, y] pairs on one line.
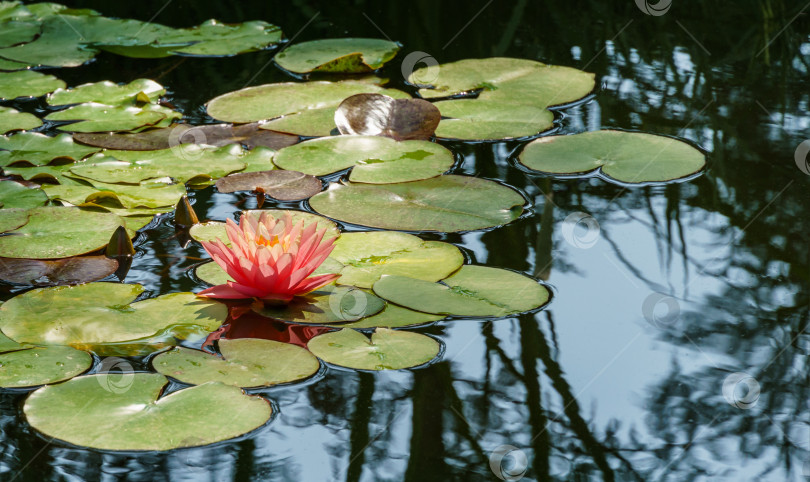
[[657, 305]]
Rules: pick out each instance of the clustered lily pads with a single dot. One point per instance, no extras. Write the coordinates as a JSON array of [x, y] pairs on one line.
[[109, 157]]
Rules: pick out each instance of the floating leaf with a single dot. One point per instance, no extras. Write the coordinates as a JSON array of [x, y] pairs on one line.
[[190, 163], [87, 411], [15, 195], [281, 185], [39, 149], [41, 365], [366, 256], [387, 349], [213, 38], [245, 362], [12, 219], [471, 291], [447, 203], [27, 83], [212, 273], [628, 157], [95, 117], [213, 135], [216, 230], [503, 79], [59, 232], [50, 173], [60, 44], [380, 115], [101, 313], [14, 120], [330, 304], [474, 119], [69, 271], [7, 344], [393, 316], [107, 92], [345, 55], [376, 160], [269, 101], [18, 32], [145, 195]]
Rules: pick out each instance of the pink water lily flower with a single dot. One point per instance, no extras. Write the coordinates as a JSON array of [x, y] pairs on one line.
[[270, 259]]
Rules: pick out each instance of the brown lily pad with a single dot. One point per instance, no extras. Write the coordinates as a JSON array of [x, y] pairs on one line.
[[217, 135], [380, 115], [69, 271], [281, 185]]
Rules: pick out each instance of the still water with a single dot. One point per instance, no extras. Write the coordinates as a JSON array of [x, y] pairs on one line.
[[677, 342]]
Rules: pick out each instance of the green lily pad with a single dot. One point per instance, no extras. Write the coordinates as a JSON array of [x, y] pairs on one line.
[[330, 304], [108, 93], [214, 38], [68, 271], [12, 219], [100, 313], [95, 117], [85, 412], [27, 83], [14, 120], [216, 230], [213, 135], [61, 44], [245, 362], [15, 195], [190, 163], [15, 32], [41, 365], [387, 349], [59, 232], [627, 157], [366, 256], [374, 159], [148, 194], [475, 119], [269, 101], [447, 203], [39, 149], [344, 55], [307, 123], [51, 173], [281, 185], [518, 81], [7, 344], [471, 291], [393, 316]]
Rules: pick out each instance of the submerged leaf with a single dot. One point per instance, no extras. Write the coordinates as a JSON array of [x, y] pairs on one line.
[[380, 115], [69, 271], [387, 349], [94, 412], [628, 157], [281, 185], [446, 203], [345, 55], [245, 362]]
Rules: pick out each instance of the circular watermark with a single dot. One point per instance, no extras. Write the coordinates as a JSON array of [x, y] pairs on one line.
[[187, 142], [660, 310], [656, 9], [422, 66], [800, 156], [572, 230], [348, 304], [741, 390], [508, 462], [115, 375]]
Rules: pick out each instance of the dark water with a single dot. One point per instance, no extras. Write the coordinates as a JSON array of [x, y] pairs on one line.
[[604, 384]]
